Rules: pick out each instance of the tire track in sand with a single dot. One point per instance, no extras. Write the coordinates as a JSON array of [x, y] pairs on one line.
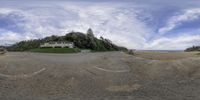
[[22, 76]]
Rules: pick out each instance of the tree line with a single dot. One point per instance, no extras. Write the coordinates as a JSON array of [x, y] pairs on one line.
[[193, 48], [80, 40]]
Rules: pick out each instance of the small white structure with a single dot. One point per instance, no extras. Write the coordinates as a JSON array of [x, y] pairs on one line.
[[2, 50], [57, 44], [85, 51]]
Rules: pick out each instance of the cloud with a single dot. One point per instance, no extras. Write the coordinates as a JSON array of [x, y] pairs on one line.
[[175, 21], [129, 24], [174, 43], [11, 37], [116, 22]]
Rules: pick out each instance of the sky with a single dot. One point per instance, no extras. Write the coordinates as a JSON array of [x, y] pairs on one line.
[[135, 24]]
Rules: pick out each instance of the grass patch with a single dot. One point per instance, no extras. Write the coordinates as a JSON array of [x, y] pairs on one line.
[[56, 50]]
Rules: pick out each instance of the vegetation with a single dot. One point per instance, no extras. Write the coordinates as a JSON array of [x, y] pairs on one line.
[[80, 40], [194, 48], [56, 50], [131, 52]]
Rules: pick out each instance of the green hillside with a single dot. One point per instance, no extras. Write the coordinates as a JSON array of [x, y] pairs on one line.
[[194, 48], [80, 40], [55, 50]]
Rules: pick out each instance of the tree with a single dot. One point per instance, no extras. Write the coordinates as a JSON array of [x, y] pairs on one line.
[[90, 33], [80, 40], [193, 48]]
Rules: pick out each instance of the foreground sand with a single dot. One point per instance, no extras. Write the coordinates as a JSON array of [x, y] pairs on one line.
[[166, 55], [99, 76]]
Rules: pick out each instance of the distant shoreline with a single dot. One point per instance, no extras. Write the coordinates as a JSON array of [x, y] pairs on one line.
[[161, 50]]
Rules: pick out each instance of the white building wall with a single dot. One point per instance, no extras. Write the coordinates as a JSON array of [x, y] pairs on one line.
[[53, 45]]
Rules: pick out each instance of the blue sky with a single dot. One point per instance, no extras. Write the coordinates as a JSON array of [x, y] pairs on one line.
[[138, 24]]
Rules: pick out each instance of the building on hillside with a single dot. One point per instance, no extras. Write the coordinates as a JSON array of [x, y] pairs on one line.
[[85, 51], [2, 50], [57, 45]]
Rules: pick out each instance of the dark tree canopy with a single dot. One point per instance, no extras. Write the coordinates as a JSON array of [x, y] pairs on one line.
[[193, 48], [90, 32]]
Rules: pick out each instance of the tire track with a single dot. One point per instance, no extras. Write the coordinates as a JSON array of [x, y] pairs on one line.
[[22, 76], [112, 71]]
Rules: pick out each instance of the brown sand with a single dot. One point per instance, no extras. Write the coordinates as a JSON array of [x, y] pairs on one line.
[[100, 76], [166, 55]]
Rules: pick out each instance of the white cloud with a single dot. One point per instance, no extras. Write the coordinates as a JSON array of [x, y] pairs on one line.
[[174, 43], [122, 24], [174, 21], [117, 24], [12, 37], [114, 22], [5, 10]]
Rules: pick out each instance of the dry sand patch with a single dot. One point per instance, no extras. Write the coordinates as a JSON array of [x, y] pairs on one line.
[[166, 55], [124, 88]]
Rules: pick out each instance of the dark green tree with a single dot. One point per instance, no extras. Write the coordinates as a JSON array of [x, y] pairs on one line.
[[90, 33]]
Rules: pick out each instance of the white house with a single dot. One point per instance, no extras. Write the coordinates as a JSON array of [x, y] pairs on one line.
[[58, 44]]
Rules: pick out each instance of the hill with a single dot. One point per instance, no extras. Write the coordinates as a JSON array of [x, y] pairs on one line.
[[194, 48], [80, 40]]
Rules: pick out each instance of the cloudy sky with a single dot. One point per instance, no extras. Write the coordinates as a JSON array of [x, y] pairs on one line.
[[139, 24]]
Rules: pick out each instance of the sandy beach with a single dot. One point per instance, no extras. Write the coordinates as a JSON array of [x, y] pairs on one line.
[[166, 55], [100, 76]]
